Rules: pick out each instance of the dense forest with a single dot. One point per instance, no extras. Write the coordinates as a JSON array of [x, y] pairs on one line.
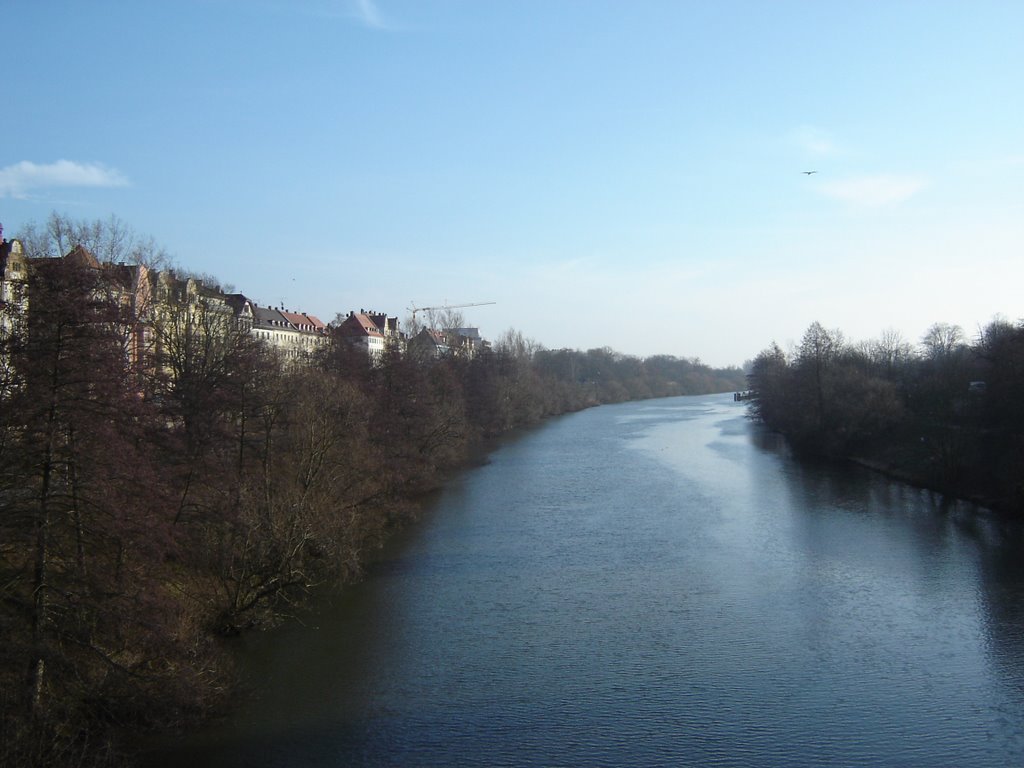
[[149, 513], [947, 413]]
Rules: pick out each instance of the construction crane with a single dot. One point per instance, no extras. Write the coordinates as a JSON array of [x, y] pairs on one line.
[[414, 309]]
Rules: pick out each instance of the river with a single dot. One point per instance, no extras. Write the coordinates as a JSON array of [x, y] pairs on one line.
[[654, 584]]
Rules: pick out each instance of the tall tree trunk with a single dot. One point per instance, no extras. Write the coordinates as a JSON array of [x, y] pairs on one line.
[[40, 582]]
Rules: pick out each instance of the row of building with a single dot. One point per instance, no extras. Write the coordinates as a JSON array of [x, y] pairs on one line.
[[151, 296]]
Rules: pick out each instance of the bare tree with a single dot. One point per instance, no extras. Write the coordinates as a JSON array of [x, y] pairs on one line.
[[992, 336], [818, 350], [941, 340], [84, 527], [517, 346], [435, 318], [890, 350], [111, 240], [446, 319], [198, 349]]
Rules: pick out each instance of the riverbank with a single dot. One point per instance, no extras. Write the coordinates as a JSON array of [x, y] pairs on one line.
[[971, 468]]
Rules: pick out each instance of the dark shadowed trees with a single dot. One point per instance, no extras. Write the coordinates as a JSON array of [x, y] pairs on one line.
[[952, 418], [770, 380], [815, 358], [826, 400], [890, 353], [94, 635], [297, 510]]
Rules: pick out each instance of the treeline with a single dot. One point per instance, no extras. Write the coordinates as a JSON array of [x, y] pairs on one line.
[[147, 511], [946, 413]]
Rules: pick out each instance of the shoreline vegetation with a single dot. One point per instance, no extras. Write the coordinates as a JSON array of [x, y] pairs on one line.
[[947, 414], [149, 512]]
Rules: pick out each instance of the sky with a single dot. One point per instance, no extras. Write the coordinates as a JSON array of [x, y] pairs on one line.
[[620, 173]]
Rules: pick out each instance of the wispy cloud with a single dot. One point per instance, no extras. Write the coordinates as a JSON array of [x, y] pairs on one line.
[[363, 12], [368, 13], [874, 191], [815, 141], [20, 179]]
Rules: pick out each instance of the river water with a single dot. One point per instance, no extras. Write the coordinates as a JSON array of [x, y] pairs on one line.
[[655, 584]]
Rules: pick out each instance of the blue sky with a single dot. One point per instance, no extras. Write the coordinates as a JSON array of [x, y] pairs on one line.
[[622, 173]]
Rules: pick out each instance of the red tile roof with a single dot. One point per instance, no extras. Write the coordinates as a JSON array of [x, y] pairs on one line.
[[360, 324], [82, 257], [303, 322]]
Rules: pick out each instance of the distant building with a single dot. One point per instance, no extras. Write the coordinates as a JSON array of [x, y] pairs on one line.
[[461, 342], [13, 281], [429, 344], [13, 298], [159, 315], [374, 331], [468, 341], [127, 290], [296, 335]]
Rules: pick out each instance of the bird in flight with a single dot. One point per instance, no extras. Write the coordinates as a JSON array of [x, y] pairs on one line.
[[808, 172]]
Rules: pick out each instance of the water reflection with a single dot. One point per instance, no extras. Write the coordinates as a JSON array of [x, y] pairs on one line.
[[944, 544]]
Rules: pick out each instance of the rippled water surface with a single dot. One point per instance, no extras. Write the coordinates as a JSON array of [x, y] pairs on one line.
[[656, 584]]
